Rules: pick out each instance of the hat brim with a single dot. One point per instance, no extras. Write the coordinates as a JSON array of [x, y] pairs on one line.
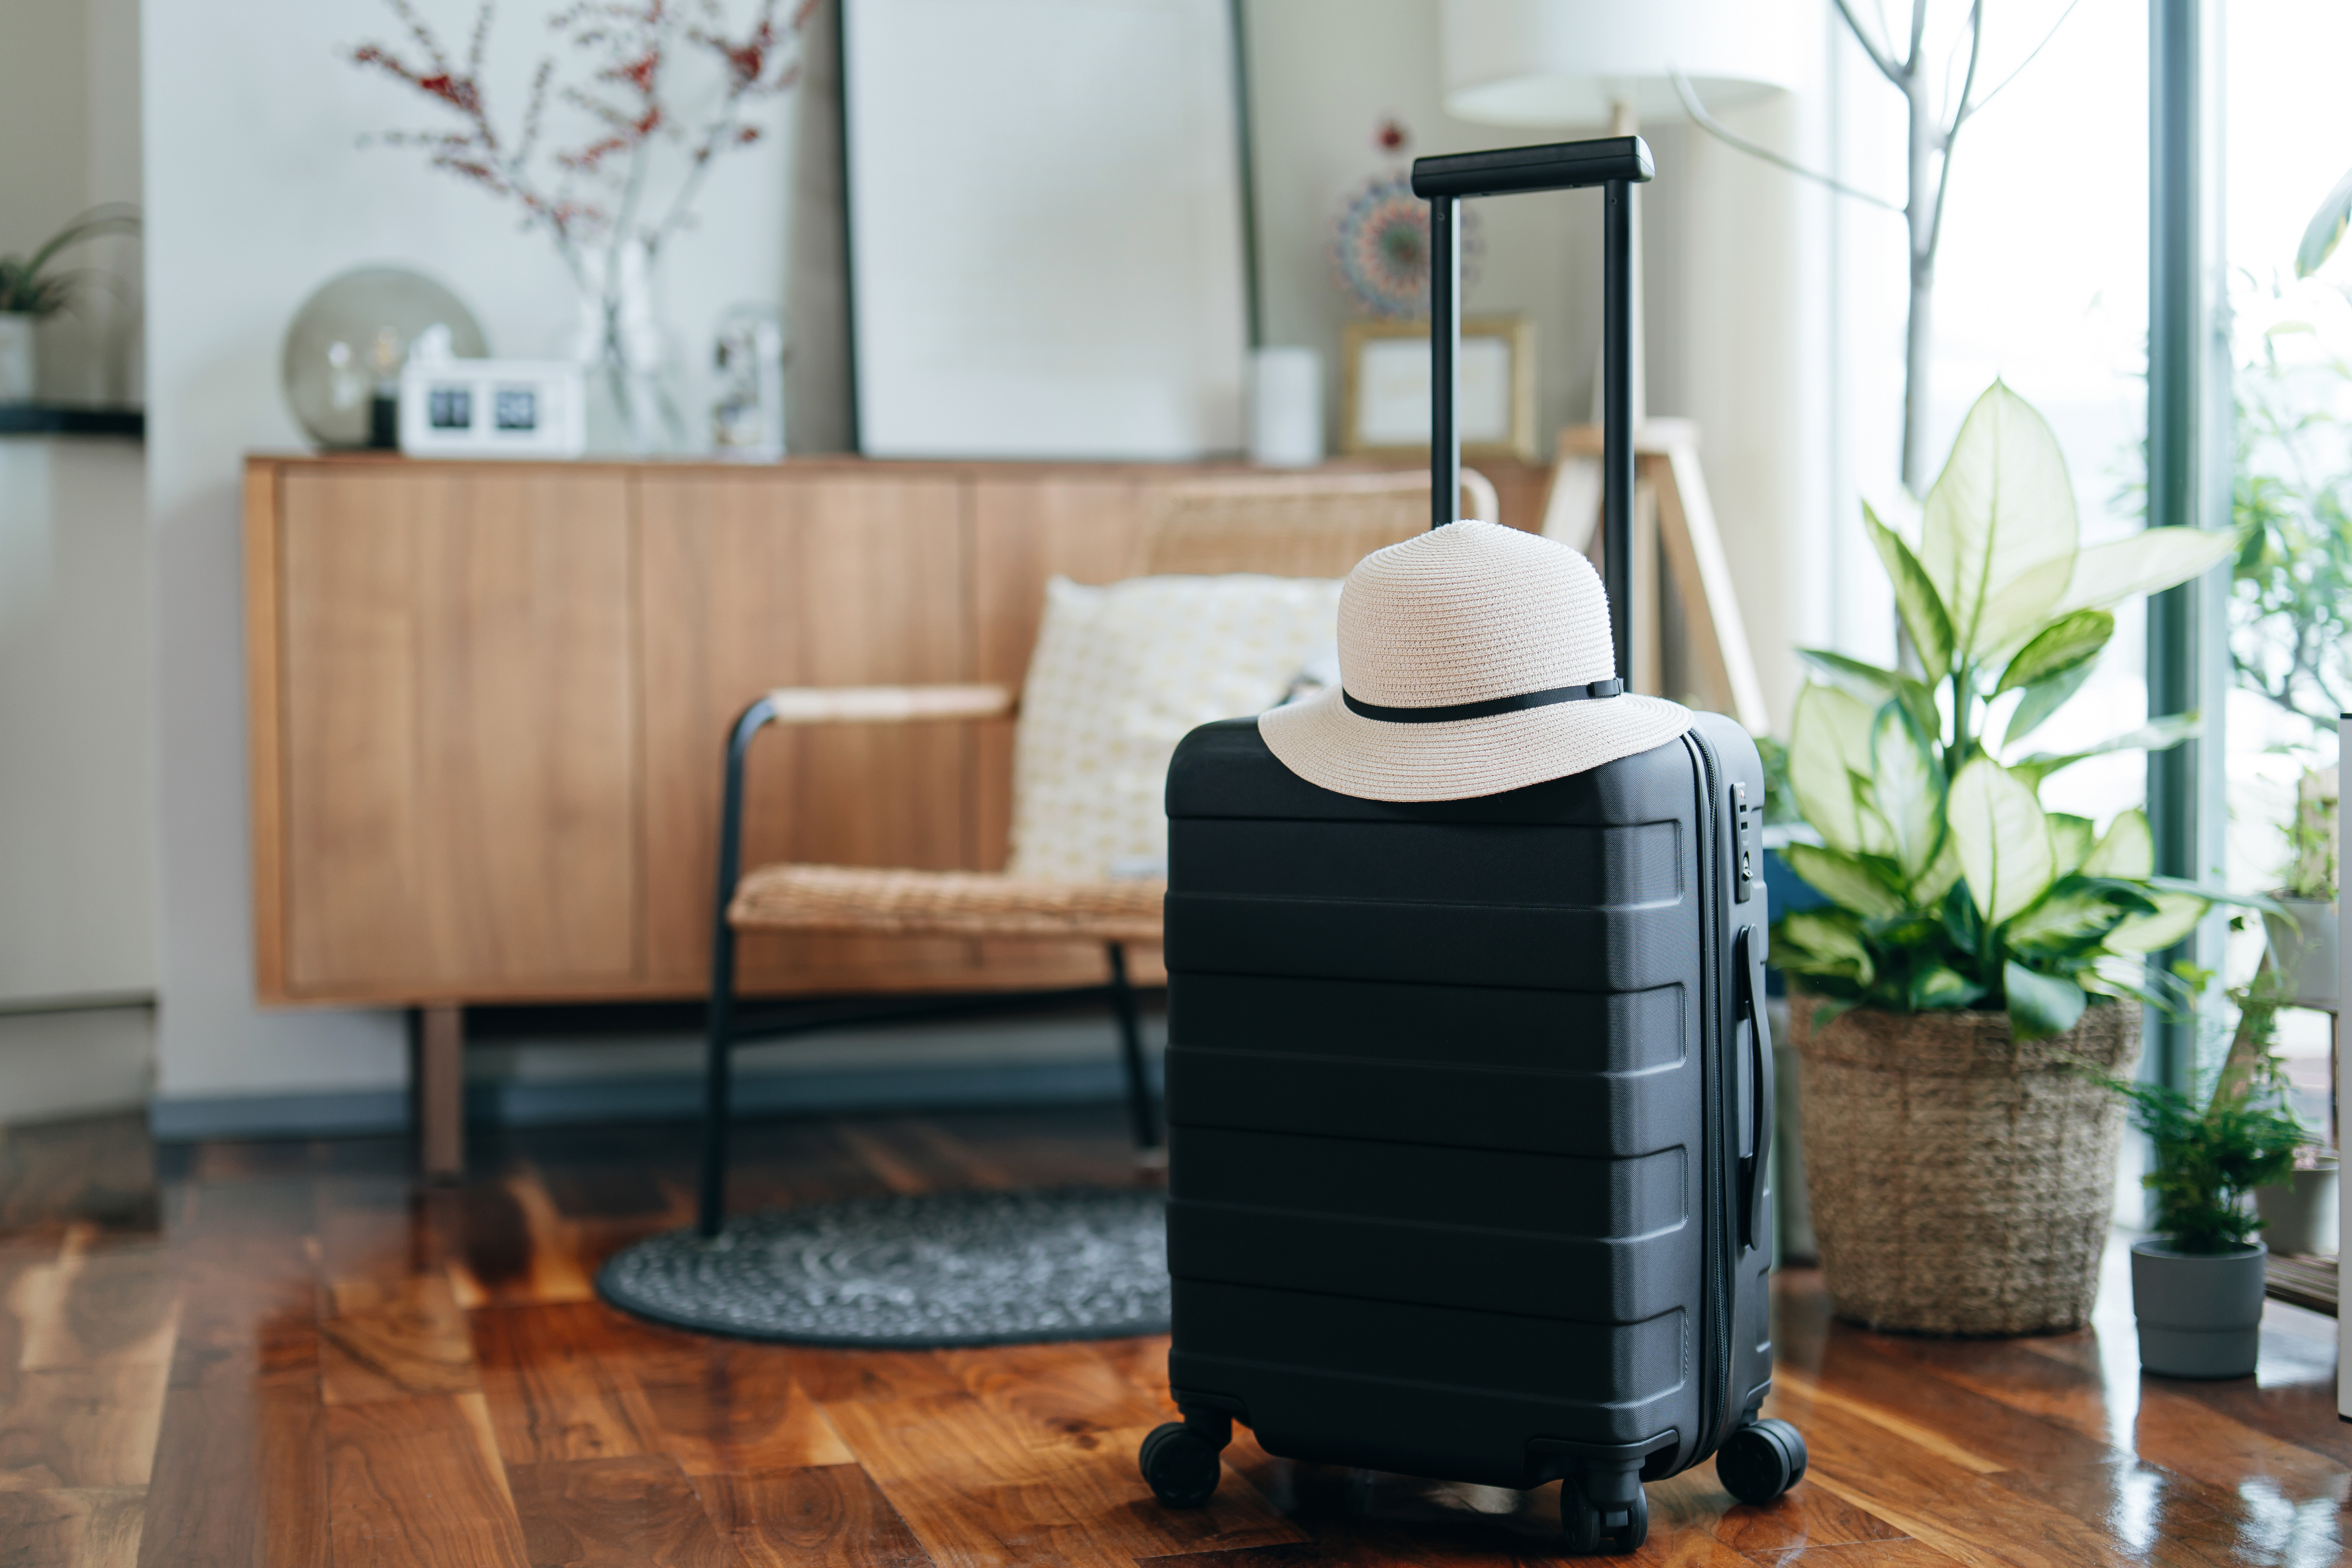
[[1325, 742]]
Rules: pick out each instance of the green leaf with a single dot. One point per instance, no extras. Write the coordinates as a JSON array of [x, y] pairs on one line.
[[2177, 915], [2128, 849], [2060, 921], [2156, 734], [1998, 535], [1857, 675], [2040, 700], [2064, 643], [1915, 598], [1940, 988], [1823, 938], [2261, 901], [1875, 685], [2071, 838], [1907, 788], [1829, 748], [2123, 978], [2003, 841], [2040, 1005], [1844, 879], [2325, 230], [2147, 563], [1941, 876]]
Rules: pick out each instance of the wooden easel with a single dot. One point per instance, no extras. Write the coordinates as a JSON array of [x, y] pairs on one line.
[[1674, 525]]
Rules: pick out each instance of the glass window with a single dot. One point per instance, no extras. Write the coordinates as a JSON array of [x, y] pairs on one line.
[[2288, 140], [2041, 280]]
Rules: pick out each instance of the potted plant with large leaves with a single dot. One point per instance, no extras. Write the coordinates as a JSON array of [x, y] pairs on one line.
[[1976, 947]]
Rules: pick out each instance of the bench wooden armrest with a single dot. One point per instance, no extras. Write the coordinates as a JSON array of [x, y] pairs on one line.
[[886, 704]]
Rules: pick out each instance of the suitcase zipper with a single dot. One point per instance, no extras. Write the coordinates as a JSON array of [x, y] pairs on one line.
[[1715, 1391]]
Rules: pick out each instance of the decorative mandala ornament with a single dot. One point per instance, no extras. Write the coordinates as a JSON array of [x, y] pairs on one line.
[[939, 1268], [1379, 249]]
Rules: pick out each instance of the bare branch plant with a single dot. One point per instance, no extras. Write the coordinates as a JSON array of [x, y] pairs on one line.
[[1937, 112], [600, 191]]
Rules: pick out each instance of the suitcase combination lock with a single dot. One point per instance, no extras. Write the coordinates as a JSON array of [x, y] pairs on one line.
[[1746, 829]]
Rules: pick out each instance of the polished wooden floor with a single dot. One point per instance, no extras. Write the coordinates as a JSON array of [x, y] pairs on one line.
[[283, 1354]]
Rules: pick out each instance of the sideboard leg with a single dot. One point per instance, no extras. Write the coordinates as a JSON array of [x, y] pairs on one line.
[[441, 1092]]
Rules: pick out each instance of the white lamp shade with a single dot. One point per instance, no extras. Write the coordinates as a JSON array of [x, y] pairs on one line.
[[1567, 62]]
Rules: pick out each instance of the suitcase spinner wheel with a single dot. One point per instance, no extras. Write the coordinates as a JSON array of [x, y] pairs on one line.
[[1763, 1459], [1180, 1463], [1615, 1528]]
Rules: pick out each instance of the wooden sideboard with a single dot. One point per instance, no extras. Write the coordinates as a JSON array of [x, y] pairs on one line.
[[487, 702]]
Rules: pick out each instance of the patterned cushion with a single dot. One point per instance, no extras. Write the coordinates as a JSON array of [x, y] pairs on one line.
[[1121, 674]]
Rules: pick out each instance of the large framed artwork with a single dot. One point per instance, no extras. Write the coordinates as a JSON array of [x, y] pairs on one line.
[[1045, 228]]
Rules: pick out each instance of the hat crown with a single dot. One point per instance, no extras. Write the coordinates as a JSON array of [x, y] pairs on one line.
[[1469, 612]]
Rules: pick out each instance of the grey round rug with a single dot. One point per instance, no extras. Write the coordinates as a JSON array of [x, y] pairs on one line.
[[939, 1268]]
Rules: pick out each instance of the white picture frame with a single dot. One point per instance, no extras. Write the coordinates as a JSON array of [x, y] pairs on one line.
[[1044, 228], [1384, 406]]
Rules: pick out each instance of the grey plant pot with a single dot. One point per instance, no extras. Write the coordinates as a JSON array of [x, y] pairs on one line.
[[2299, 1214], [2306, 950], [2200, 1314]]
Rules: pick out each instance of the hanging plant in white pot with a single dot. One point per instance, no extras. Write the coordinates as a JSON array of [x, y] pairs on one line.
[[32, 287]]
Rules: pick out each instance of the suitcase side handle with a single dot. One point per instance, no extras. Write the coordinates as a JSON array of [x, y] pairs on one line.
[[1749, 957], [1616, 164]]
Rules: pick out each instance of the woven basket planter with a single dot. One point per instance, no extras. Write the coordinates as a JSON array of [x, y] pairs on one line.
[[1961, 1182]]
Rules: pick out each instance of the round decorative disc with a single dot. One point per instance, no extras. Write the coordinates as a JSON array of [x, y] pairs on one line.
[[1379, 249]]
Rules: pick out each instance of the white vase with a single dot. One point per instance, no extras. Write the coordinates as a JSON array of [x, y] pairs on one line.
[[1286, 407], [17, 366], [632, 403]]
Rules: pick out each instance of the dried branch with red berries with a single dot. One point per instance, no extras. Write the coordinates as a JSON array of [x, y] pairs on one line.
[[655, 90]]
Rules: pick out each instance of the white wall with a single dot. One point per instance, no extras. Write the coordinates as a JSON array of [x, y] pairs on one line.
[[1749, 361], [77, 852], [69, 121], [256, 193]]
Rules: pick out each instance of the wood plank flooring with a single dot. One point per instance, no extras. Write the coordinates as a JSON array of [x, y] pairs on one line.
[[273, 1355]]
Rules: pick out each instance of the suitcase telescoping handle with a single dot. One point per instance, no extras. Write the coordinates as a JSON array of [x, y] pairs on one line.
[[1616, 163]]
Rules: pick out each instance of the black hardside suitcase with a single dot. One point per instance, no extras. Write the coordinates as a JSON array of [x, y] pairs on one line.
[[1470, 1102]]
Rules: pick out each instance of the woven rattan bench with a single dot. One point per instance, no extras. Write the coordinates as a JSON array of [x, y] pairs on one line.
[[1304, 525]]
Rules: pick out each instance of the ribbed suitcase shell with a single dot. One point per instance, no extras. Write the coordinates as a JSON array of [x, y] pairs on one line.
[[1457, 1094]]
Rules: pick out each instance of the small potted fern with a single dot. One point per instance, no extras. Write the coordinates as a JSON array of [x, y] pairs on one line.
[[1977, 946], [2197, 1285]]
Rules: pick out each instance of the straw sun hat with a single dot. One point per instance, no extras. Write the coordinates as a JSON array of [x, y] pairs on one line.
[[1472, 659]]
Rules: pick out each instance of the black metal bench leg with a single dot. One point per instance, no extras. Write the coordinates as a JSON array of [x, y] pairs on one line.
[[1141, 1111], [710, 1209]]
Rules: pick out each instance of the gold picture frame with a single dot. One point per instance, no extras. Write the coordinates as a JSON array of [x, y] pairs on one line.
[[1384, 400]]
